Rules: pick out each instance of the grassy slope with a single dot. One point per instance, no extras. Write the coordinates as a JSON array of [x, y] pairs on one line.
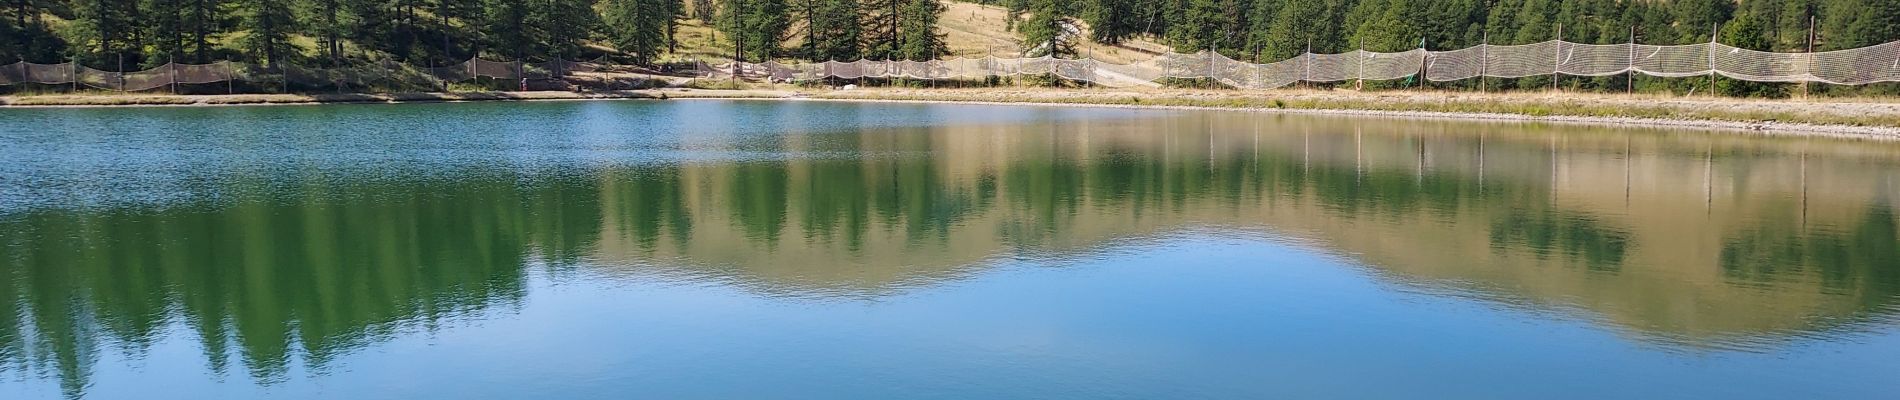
[[970, 30]]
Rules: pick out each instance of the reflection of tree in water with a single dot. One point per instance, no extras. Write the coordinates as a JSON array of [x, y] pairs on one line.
[[316, 273], [310, 275], [1574, 236], [1861, 258], [648, 204]]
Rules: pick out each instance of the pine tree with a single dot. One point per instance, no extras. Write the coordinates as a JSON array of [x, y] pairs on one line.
[[837, 31], [756, 26], [1050, 31], [1207, 25], [27, 36], [1794, 21], [1303, 23], [567, 24], [639, 26], [705, 11], [323, 20], [510, 28], [917, 25], [882, 28], [1113, 21], [1387, 25], [1748, 31], [1260, 27], [107, 33], [269, 24]]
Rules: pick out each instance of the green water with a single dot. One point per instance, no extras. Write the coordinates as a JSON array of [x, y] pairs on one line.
[[710, 249]]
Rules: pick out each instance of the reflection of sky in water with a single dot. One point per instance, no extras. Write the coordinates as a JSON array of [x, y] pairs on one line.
[[1264, 320], [812, 249]]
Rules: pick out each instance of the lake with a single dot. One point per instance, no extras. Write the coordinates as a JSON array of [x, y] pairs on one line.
[[823, 250]]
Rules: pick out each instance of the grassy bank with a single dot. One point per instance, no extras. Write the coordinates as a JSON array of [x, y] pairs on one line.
[[1864, 117], [1870, 113]]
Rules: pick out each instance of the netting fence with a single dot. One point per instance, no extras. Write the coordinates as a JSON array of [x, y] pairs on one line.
[[1859, 66]]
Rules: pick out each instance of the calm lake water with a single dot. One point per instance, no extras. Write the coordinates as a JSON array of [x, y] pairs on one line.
[[816, 250]]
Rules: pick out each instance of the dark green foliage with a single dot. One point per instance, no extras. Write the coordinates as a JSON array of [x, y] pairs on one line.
[[1051, 29], [1112, 21], [135, 34], [268, 24], [836, 30], [1751, 32], [104, 33], [756, 26], [640, 27], [24, 34], [918, 38]]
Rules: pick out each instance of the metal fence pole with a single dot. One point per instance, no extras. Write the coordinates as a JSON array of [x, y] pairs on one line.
[[1713, 30], [1484, 60], [1810, 78], [1557, 60]]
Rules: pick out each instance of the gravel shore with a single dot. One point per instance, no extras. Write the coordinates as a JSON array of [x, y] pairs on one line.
[[1846, 118]]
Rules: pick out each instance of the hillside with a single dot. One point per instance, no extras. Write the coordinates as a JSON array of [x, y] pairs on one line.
[[970, 30]]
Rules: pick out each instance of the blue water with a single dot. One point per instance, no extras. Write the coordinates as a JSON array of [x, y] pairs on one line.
[[709, 249]]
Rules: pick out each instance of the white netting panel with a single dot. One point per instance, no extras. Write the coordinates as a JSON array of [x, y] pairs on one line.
[[52, 74], [1760, 66], [1387, 66], [1455, 65], [202, 73], [147, 80], [1595, 59], [1334, 67], [1872, 64], [1878, 63], [494, 69], [98, 79], [1673, 61], [13, 73], [1521, 60]]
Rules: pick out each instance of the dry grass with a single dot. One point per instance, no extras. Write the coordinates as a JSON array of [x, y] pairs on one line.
[[970, 30], [1845, 112]]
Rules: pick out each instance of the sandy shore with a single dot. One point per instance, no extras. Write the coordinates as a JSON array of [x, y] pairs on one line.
[[1853, 118]]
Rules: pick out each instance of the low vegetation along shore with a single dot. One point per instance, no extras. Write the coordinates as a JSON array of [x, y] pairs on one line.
[[1867, 117]]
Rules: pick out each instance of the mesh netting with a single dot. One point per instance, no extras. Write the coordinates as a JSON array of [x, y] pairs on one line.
[[1455, 65], [1521, 60], [1595, 59], [1879, 63], [1673, 61], [146, 80], [1872, 64]]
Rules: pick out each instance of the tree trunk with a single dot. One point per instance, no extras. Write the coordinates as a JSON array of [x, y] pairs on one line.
[[198, 32]]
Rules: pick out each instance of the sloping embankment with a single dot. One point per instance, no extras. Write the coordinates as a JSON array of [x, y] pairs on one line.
[[1864, 118], [1854, 117]]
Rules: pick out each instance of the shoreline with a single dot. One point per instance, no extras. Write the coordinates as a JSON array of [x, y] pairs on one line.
[[1871, 119], [1756, 128], [213, 100]]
